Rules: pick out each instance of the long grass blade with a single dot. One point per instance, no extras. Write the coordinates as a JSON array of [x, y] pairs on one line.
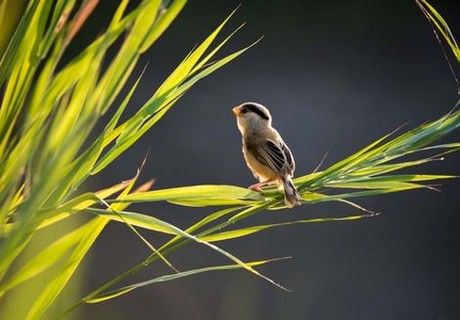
[[243, 232], [170, 277], [204, 195]]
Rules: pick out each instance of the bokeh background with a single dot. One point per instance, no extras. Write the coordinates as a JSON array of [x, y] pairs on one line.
[[336, 75]]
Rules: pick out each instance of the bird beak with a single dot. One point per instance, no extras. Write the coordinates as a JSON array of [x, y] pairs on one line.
[[236, 111]]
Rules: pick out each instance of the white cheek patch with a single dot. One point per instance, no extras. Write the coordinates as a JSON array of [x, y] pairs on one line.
[[240, 125]]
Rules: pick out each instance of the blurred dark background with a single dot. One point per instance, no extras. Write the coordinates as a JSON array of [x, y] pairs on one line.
[[336, 75]]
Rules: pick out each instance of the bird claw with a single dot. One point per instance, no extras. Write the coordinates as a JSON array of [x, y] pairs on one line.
[[257, 188]]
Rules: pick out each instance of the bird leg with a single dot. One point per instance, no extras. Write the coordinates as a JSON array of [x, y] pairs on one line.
[[258, 186]]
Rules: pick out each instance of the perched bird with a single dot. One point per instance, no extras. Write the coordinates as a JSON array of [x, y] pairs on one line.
[[265, 152]]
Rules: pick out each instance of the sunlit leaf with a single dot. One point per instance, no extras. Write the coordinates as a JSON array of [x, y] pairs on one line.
[[204, 195]]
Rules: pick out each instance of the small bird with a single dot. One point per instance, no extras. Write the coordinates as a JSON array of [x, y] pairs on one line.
[[265, 152]]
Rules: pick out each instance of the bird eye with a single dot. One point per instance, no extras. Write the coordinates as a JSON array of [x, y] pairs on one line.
[[244, 110]]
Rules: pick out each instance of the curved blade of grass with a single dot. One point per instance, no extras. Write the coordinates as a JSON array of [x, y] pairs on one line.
[[206, 59], [133, 218], [212, 68], [149, 223], [386, 182], [243, 232], [166, 18], [170, 277], [386, 168], [443, 146], [440, 24], [185, 68], [358, 194]]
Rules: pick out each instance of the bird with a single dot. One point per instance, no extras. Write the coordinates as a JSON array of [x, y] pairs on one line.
[[267, 156]]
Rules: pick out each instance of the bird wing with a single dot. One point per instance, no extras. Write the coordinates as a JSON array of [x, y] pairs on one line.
[[277, 156], [289, 158]]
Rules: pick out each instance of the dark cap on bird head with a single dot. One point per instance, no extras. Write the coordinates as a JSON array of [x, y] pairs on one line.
[[253, 107]]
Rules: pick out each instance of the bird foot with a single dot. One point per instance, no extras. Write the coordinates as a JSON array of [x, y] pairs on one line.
[[258, 186]]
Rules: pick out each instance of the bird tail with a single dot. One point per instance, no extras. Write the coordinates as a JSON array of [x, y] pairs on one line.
[[291, 195]]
